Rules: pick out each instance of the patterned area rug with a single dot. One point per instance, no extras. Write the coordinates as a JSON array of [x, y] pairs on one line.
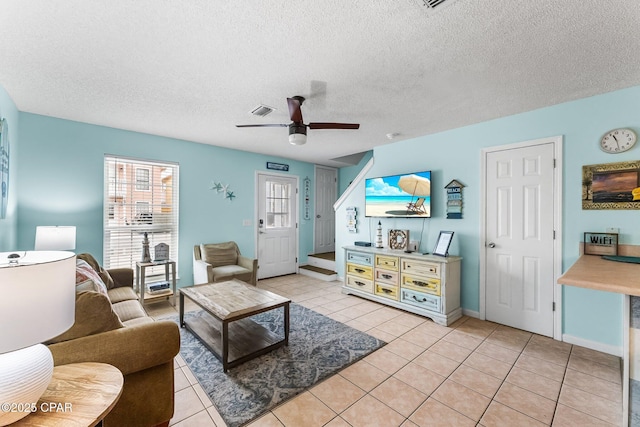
[[318, 347]]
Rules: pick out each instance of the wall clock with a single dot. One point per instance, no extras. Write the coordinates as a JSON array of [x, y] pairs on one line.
[[618, 140], [398, 239], [4, 167]]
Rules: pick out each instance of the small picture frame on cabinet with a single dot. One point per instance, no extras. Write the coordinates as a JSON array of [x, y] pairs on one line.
[[444, 241]]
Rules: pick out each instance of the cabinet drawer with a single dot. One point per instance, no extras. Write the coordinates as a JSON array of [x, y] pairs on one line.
[[360, 271], [387, 291], [422, 284], [359, 258], [419, 299], [360, 284], [430, 269], [387, 276], [387, 262]]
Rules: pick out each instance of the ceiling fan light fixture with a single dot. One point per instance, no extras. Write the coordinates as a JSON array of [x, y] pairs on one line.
[[297, 139]]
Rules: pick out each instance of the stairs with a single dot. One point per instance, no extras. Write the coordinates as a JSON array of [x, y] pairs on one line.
[[321, 266]]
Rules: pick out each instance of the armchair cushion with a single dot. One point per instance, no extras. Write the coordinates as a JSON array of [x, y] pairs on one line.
[[220, 254], [228, 272]]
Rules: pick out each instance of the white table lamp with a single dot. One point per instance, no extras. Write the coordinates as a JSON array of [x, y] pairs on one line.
[[55, 238], [38, 303]]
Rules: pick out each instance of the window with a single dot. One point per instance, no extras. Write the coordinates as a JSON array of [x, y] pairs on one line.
[[278, 198], [142, 179], [140, 196]]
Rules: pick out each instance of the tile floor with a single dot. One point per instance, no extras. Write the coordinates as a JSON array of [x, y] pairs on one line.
[[471, 373]]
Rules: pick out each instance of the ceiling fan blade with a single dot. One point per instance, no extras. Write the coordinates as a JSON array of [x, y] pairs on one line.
[[294, 108], [334, 125], [280, 125]]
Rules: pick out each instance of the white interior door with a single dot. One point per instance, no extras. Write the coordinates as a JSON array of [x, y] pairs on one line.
[[277, 225], [325, 219], [519, 241]]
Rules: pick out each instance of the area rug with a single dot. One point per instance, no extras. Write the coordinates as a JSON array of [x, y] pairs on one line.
[[318, 347]]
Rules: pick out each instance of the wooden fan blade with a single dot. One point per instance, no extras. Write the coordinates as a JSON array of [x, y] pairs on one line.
[[334, 126], [294, 108], [263, 126]]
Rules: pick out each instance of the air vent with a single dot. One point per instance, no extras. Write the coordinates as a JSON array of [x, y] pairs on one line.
[[262, 110], [431, 6]]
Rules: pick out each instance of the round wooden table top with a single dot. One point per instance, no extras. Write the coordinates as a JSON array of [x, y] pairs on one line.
[[80, 394]]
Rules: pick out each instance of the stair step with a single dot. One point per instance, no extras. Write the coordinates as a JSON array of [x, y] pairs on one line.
[[319, 273], [324, 260]]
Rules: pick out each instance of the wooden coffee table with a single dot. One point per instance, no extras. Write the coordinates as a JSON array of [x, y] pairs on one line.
[[225, 329]]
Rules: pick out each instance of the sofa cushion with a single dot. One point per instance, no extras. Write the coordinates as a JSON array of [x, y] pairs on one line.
[[94, 314], [228, 272], [127, 310], [219, 254], [121, 294], [104, 275], [85, 272], [137, 321]]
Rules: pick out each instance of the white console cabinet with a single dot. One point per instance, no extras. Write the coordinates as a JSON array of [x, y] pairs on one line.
[[427, 285]]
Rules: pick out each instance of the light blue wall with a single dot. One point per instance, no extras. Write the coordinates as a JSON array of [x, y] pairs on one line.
[[348, 173], [9, 225], [60, 174], [455, 154]]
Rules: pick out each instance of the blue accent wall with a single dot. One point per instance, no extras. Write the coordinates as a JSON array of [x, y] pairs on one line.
[[61, 173], [455, 154], [348, 173], [9, 225]]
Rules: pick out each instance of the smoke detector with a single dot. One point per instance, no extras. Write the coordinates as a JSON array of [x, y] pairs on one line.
[[262, 110], [433, 6]]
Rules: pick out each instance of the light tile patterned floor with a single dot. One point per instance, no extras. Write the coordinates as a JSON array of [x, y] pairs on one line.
[[471, 373]]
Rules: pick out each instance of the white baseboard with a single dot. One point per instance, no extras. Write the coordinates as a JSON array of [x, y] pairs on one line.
[[593, 345], [471, 313]]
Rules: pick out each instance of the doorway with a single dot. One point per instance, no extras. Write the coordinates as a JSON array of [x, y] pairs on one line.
[[326, 190], [521, 237], [277, 224]]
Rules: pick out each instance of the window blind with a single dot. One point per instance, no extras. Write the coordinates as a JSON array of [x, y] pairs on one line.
[[135, 203]]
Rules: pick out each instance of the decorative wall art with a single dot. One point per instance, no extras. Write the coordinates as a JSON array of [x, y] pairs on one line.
[[307, 194], [352, 219], [4, 167], [399, 239], [454, 199], [611, 186], [223, 189]]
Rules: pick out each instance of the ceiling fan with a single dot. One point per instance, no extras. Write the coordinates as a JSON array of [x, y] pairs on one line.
[[298, 129]]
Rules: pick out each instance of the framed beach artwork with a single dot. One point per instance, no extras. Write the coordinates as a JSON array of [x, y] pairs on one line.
[[611, 186]]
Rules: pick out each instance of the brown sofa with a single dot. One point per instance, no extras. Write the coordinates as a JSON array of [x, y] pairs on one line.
[[115, 329]]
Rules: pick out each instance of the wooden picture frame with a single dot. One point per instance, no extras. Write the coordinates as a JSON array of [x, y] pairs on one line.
[[600, 243], [611, 186], [444, 241]]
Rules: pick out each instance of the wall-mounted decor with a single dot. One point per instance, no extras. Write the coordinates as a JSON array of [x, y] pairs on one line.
[[278, 166], [352, 219], [454, 199], [307, 193], [4, 167], [600, 243], [223, 189], [611, 186], [399, 239]]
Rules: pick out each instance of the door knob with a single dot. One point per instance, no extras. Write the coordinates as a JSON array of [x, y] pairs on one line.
[[318, 216], [491, 245]]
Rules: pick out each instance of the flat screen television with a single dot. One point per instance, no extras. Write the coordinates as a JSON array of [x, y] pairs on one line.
[[399, 196]]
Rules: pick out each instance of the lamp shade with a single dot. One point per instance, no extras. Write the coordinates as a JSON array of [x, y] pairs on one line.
[[297, 139], [38, 301], [55, 238]]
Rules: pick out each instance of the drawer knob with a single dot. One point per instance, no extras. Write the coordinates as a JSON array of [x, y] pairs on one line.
[[359, 283], [419, 300], [386, 276], [359, 270], [419, 283], [386, 291]]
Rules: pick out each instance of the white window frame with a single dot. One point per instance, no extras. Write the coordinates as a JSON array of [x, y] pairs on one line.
[[123, 233], [142, 184]]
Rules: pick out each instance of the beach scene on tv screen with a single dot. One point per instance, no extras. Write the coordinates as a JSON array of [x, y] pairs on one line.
[[399, 195]]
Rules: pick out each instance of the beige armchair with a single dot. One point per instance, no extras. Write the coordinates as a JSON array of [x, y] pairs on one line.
[[217, 262]]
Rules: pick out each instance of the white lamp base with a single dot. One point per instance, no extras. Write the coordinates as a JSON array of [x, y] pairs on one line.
[[24, 376]]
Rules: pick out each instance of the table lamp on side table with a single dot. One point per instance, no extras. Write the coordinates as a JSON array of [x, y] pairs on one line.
[[37, 304], [55, 238]]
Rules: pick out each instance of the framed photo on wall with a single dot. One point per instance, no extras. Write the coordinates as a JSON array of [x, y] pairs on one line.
[[444, 241], [4, 167]]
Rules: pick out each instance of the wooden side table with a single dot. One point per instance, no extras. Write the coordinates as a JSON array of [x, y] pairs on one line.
[[79, 394], [140, 280]]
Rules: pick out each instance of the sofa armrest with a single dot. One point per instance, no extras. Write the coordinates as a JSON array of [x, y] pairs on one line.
[[121, 277], [130, 349], [249, 264], [202, 272]]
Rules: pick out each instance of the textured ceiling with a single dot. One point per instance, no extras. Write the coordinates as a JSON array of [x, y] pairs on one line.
[[192, 69]]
